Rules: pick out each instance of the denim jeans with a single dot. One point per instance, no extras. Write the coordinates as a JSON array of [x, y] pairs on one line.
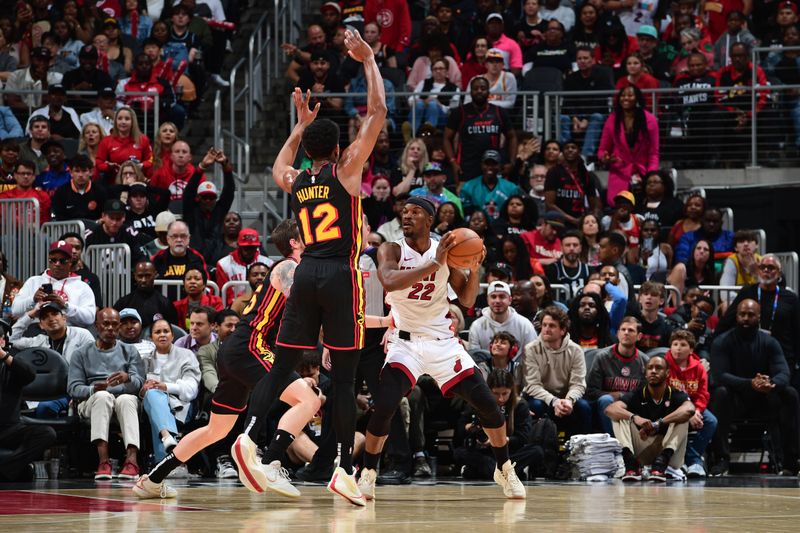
[[592, 136], [699, 440], [156, 405], [578, 423], [52, 408], [430, 112], [605, 422]]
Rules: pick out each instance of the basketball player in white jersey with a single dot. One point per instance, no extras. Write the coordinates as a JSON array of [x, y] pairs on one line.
[[415, 274]]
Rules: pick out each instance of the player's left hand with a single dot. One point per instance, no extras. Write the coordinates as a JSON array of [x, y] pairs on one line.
[[305, 115], [356, 46]]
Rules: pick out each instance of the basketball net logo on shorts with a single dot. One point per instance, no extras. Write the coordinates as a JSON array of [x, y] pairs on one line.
[[457, 367]]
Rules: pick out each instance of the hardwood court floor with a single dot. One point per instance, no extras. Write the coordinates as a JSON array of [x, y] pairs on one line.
[[756, 504]]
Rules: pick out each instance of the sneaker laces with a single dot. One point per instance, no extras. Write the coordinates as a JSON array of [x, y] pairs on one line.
[[283, 473], [163, 490]]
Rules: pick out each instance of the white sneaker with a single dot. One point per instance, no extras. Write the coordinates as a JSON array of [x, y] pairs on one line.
[[220, 81], [345, 485], [366, 483], [251, 474], [169, 442], [144, 489], [225, 469], [278, 480], [507, 478], [696, 471], [179, 473]]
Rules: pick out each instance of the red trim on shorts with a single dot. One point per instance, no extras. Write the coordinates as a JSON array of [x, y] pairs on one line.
[[238, 410], [296, 346], [455, 381], [406, 371]]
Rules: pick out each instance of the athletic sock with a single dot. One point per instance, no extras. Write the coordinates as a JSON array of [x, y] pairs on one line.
[[371, 460], [662, 460], [500, 455], [630, 460], [277, 448], [163, 469]]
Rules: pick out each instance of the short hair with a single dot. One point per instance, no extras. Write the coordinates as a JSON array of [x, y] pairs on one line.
[[584, 48], [150, 41], [38, 118], [220, 317], [24, 163], [683, 335], [744, 235], [320, 138], [557, 314], [573, 233], [202, 271], [736, 13], [653, 288], [631, 320], [9, 144], [616, 240], [283, 233], [742, 44], [706, 299], [310, 358], [82, 161], [256, 264], [73, 235], [477, 79], [210, 312], [700, 55]]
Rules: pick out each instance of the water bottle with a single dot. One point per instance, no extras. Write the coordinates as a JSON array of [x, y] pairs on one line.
[[7, 309]]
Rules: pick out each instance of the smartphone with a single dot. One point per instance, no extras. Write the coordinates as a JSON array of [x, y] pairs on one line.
[[702, 316], [47, 288], [647, 244]]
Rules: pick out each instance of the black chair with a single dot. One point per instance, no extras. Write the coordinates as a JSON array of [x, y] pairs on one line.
[[661, 351], [50, 384]]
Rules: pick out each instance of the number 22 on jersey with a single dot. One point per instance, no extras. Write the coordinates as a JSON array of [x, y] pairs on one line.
[[325, 229]]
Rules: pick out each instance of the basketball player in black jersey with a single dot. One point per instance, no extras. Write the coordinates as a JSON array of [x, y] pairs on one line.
[[328, 292], [243, 359]]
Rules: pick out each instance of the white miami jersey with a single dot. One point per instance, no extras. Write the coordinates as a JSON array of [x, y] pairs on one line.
[[423, 307]]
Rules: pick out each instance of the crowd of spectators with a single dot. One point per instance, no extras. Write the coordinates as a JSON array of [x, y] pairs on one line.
[[562, 332]]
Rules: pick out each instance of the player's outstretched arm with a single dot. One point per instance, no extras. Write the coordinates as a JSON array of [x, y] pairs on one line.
[[282, 276], [351, 163], [467, 286], [283, 173], [395, 279]]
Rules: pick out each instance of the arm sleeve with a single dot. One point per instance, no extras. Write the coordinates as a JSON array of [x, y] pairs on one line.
[[607, 137], [82, 309], [701, 401], [683, 247], [474, 341], [523, 424], [101, 157], [22, 372], [147, 156], [13, 127], [24, 299], [226, 196], [189, 197], [653, 151]]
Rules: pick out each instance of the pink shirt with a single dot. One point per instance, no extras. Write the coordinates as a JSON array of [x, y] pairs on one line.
[[511, 51]]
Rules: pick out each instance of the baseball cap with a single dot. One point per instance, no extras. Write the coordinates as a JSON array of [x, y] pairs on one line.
[[494, 53], [499, 286], [627, 195], [554, 218], [248, 237], [502, 269], [88, 52], [181, 8], [320, 53], [163, 220], [330, 6], [106, 92], [433, 168], [137, 187], [61, 246], [494, 16], [129, 312], [491, 155], [207, 188], [41, 52], [111, 21], [56, 88], [50, 306], [648, 31], [113, 206], [787, 5]]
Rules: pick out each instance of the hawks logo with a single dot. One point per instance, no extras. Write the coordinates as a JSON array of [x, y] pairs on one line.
[[625, 371], [385, 18], [457, 366]]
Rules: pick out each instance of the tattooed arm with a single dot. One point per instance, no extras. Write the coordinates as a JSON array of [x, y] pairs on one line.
[[282, 276]]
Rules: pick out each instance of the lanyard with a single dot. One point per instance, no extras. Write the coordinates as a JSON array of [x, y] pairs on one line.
[[774, 304]]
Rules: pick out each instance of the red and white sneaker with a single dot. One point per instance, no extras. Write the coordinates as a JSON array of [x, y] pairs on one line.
[[129, 471], [345, 485], [103, 471], [251, 473], [633, 474]]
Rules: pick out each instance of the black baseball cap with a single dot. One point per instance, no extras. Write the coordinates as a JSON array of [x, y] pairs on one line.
[[113, 206]]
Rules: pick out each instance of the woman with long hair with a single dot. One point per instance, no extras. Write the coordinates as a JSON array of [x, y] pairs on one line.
[[659, 202], [135, 21], [629, 142], [693, 211], [515, 254], [447, 218], [654, 255], [475, 65], [691, 41], [636, 74], [589, 226], [585, 32], [551, 154], [589, 321], [412, 161], [195, 284], [117, 51], [544, 292], [384, 55], [698, 270], [91, 135], [430, 107], [517, 215], [70, 45], [378, 206], [172, 384], [614, 45], [125, 143], [167, 135]]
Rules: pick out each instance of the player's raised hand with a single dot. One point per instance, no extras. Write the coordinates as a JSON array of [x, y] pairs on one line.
[[447, 242], [478, 261], [356, 46], [305, 115]]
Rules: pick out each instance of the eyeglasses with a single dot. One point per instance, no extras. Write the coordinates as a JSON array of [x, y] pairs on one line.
[[58, 261], [768, 268], [183, 236]]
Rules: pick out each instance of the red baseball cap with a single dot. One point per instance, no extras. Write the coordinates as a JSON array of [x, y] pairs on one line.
[[249, 237], [787, 5], [61, 246]]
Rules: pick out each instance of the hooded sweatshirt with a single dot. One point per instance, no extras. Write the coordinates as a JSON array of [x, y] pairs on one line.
[[553, 374], [75, 292], [483, 329], [693, 380]]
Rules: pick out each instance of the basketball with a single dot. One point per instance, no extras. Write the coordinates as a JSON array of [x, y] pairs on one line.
[[468, 245]]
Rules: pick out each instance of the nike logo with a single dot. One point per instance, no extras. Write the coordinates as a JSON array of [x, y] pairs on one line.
[[408, 259]]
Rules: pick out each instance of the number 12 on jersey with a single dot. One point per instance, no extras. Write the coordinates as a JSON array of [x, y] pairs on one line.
[[325, 229]]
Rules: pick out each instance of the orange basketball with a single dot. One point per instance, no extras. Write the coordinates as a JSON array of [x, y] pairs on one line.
[[468, 245]]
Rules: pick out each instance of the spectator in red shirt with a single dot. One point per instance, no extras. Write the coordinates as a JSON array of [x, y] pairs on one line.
[[394, 19], [144, 79], [195, 282], [233, 267], [475, 65], [543, 243], [24, 175], [126, 142], [636, 75]]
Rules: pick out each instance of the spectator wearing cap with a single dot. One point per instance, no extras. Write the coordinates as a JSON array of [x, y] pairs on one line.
[[173, 262], [204, 208], [489, 191], [64, 121], [395, 20], [785, 17], [318, 77], [57, 172], [149, 302], [119, 48], [9, 125], [35, 77], [31, 150], [622, 219], [79, 197], [544, 243], [24, 176], [60, 285], [163, 220], [87, 77], [112, 230], [315, 39], [144, 79], [479, 128], [130, 332], [145, 202], [499, 316], [512, 54], [654, 59], [102, 114], [332, 18], [502, 84], [434, 176], [234, 266]]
